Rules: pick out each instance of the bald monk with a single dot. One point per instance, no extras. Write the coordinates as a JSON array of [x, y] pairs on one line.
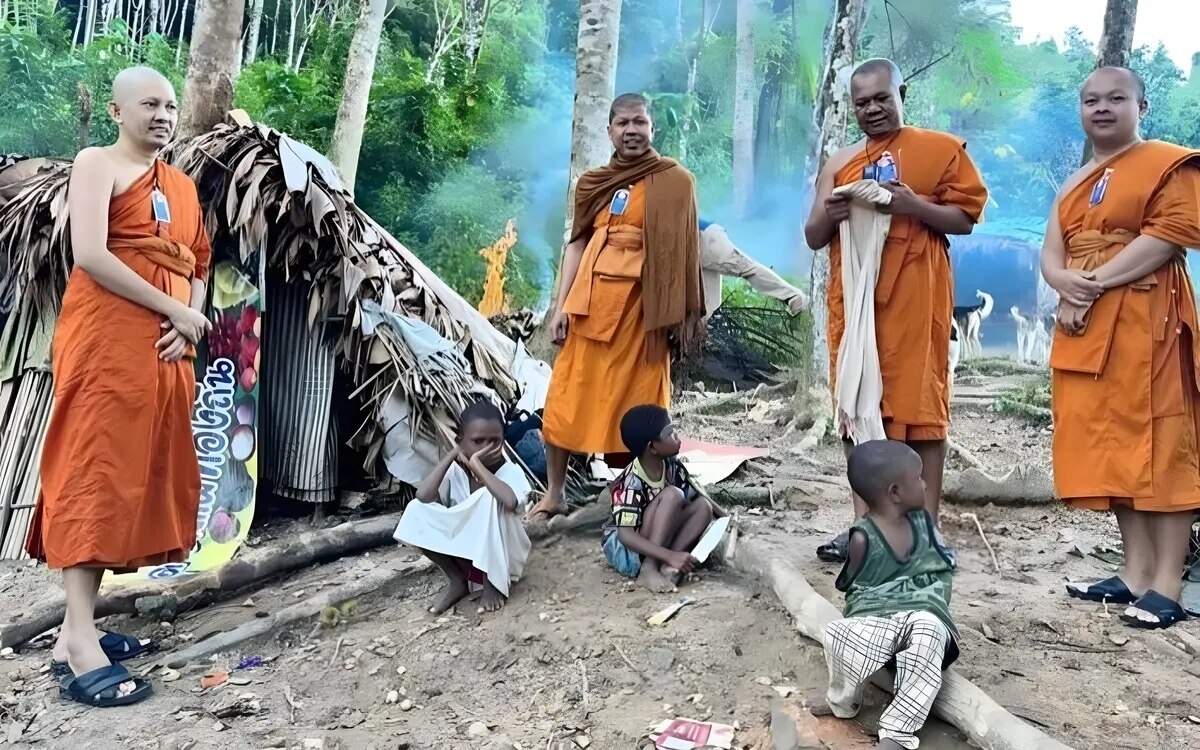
[[936, 191], [1124, 358], [119, 474], [630, 286]]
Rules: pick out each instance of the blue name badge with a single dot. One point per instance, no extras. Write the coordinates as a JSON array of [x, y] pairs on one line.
[[882, 171], [619, 201], [1100, 188], [162, 210]]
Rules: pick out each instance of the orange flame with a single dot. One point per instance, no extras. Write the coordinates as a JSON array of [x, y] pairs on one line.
[[494, 302]]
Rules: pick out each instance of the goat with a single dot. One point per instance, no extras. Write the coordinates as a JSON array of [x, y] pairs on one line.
[[970, 319]]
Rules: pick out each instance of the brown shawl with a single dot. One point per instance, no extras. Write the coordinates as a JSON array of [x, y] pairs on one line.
[[672, 294]]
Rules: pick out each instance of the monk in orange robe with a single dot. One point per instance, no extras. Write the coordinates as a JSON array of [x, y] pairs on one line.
[[936, 191], [630, 289], [120, 479], [1124, 359]]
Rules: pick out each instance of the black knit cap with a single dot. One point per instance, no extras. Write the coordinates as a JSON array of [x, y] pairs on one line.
[[642, 425]]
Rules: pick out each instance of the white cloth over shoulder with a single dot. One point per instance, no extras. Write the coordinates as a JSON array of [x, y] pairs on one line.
[[472, 525], [859, 388]]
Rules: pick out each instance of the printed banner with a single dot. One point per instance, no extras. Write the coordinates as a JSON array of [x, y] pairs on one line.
[[224, 422]]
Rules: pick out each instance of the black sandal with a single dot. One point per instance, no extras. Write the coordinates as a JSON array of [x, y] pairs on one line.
[[117, 647], [1111, 590], [101, 687], [1153, 603], [837, 550]]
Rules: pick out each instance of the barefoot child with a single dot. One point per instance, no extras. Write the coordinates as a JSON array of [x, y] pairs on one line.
[[467, 519], [658, 512], [897, 585]]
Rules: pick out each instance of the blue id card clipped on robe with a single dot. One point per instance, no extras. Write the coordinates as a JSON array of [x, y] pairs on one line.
[[884, 170], [1100, 188], [162, 210], [619, 201]]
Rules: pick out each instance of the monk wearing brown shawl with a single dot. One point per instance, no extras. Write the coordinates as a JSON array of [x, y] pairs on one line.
[[120, 482], [629, 290]]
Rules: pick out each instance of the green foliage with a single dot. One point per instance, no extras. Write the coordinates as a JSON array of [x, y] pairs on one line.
[[1029, 401]]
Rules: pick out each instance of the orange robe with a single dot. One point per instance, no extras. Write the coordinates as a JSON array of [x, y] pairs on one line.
[[914, 297], [120, 478], [603, 369], [1124, 392]]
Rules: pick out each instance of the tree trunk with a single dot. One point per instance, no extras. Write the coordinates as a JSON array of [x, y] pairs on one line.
[[356, 90], [743, 109], [767, 162], [473, 12], [1116, 44], [595, 81], [831, 115], [253, 27], [155, 10], [183, 19], [83, 104], [215, 51]]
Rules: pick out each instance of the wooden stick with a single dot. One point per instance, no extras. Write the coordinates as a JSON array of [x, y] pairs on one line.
[[625, 658], [587, 709], [959, 703], [966, 455], [305, 549], [983, 536], [310, 607], [710, 403]]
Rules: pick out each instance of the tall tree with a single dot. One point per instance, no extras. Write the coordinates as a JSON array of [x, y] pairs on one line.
[[743, 108], [356, 90], [212, 61], [831, 116], [770, 100], [253, 28], [474, 14], [595, 81], [1116, 43]]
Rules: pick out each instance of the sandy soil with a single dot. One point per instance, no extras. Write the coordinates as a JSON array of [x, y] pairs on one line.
[[516, 679]]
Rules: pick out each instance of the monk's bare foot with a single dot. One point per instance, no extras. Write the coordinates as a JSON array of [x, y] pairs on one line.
[[456, 589], [889, 745], [490, 599], [652, 578], [548, 507], [84, 655]]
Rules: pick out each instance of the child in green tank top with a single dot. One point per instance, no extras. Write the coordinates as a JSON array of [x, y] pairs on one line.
[[897, 584]]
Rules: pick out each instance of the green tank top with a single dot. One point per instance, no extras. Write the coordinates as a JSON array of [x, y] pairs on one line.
[[885, 585]]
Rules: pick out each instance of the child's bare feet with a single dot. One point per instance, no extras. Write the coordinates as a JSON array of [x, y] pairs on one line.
[[490, 599], [671, 574], [456, 589], [652, 578]]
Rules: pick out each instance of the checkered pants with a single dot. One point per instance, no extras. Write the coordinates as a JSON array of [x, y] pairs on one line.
[[858, 647]]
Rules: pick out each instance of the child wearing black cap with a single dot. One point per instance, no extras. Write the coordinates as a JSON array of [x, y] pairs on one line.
[[658, 511]]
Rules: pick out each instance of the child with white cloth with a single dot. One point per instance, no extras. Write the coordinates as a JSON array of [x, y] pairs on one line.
[[467, 518]]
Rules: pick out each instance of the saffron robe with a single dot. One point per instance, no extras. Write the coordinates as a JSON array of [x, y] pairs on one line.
[[914, 296], [604, 368], [120, 479], [1124, 394]]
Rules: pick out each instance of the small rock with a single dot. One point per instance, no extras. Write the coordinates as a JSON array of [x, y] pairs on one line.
[[582, 741], [454, 652], [393, 696], [478, 729], [1118, 639], [401, 670], [988, 632], [406, 705], [314, 743], [170, 675], [764, 681], [239, 680]]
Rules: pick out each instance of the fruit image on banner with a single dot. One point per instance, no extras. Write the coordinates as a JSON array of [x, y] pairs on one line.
[[224, 422]]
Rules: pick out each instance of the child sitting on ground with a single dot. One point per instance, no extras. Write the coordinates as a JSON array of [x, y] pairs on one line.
[[658, 511], [897, 584], [468, 518]]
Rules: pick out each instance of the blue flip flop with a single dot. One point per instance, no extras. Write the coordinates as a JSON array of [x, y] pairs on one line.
[[1112, 590], [100, 687], [117, 647], [1153, 603]]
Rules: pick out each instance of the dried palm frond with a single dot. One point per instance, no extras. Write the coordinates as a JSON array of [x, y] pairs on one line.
[[264, 192]]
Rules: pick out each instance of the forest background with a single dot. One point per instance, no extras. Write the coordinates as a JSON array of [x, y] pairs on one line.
[[456, 142]]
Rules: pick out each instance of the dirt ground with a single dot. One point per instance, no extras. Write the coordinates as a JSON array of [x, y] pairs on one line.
[[571, 662]]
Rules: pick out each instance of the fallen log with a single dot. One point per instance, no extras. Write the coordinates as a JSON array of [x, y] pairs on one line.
[[708, 403], [960, 703], [164, 598], [1022, 485], [310, 607]]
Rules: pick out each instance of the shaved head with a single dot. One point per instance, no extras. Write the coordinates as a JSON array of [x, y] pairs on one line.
[[132, 83], [144, 108], [1129, 74], [880, 65], [877, 466]]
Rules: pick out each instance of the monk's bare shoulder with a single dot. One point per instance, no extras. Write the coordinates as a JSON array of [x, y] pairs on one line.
[[93, 171], [94, 159], [842, 157]]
